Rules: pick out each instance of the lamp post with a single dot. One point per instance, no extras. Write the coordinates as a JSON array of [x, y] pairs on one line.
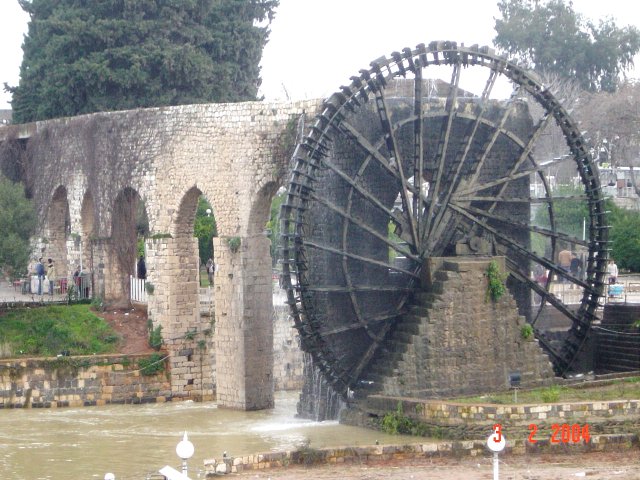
[[208, 211], [185, 450], [496, 443]]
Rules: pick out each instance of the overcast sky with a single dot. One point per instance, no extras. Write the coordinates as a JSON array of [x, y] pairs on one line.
[[316, 45]]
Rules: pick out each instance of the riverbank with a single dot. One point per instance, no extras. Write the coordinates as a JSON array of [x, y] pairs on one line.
[[596, 466], [427, 452]]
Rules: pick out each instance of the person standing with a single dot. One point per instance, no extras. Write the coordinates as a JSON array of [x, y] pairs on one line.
[[142, 268], [612, 271], [575, 267], [564, 260], [51, 275], [40, 272], [210, 270]]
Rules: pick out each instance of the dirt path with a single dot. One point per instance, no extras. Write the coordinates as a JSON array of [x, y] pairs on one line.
[[595, 466], [131, 325]]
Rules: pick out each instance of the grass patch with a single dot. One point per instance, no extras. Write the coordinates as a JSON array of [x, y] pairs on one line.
[[619, 389], [54, 329]]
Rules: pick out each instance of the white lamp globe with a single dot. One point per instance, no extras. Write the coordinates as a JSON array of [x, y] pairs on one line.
[[185, 448]]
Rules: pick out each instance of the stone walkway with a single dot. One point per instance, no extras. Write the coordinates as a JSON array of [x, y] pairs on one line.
[[9, 293], [595, 466]]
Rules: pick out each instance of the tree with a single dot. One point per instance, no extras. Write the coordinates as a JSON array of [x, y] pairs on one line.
[[625, 237], [612, 122], [205, 229], [551, 37], [83, 56], [273, 225], [17, 224]]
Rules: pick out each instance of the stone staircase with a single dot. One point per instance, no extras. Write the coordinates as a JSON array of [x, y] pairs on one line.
[[454, 340]]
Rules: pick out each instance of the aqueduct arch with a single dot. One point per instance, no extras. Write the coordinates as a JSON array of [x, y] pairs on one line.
[[235, 155], [58, 228]]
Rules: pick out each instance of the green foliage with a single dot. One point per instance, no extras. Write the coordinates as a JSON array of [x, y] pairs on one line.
[[234, 244], [526, 332], [149, 287], [273, 225], [553, 38], [306, 455], [17, 224], [140, 247], [550, 394], [625, 237], [97, 303], [82, 57], [393, 237], [155, 335], [47, 331], [568, 213], [204, 228], [151, 365], [396, 423], [495, 287]]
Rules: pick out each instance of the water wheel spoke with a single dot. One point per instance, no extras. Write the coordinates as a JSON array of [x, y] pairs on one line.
[[539, 168], [520, 248], [418, 147], [383, 317], [371, 150], [364, 226], [394, 151], [439, 225], [443, 146], [365, 193], [508, 220], [488, 87], [370, 261], [527, 200], [359, 288], [525, 153]]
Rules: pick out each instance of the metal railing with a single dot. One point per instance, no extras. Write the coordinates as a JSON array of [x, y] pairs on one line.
[[137, 288]]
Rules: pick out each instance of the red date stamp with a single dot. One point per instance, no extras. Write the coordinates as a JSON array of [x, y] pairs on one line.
[[564, 433]]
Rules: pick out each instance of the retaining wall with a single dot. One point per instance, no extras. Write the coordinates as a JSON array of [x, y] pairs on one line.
[[80, 381], [475, 421], [384, 453]]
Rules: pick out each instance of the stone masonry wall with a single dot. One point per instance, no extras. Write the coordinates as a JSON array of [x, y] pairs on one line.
[[457, 341], [288, 359], [233, 154], [79, 381], [475, 421], [243, 324]]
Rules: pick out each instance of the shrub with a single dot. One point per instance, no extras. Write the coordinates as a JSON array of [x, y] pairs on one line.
[[151, 365], [526, 331], [495, 287]]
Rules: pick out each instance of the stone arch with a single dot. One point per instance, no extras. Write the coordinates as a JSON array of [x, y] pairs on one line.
[[58, 229], [184, 220], [186, 214], [173, 269], [260, 208], [88, 232], [128, 214]]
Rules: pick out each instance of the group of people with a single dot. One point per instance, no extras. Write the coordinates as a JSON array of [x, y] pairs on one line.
[[571, 263], [567, 261], [48, 273]]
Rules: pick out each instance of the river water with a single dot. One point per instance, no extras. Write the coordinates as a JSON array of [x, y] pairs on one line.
[[132, 441]]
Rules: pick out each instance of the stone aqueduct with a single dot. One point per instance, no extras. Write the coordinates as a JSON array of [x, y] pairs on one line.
[[87, 174]]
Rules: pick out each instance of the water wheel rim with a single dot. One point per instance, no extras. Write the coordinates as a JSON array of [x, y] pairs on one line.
[[312, 157]]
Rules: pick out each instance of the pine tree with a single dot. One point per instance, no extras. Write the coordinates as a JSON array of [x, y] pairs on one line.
[[83, 56]]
